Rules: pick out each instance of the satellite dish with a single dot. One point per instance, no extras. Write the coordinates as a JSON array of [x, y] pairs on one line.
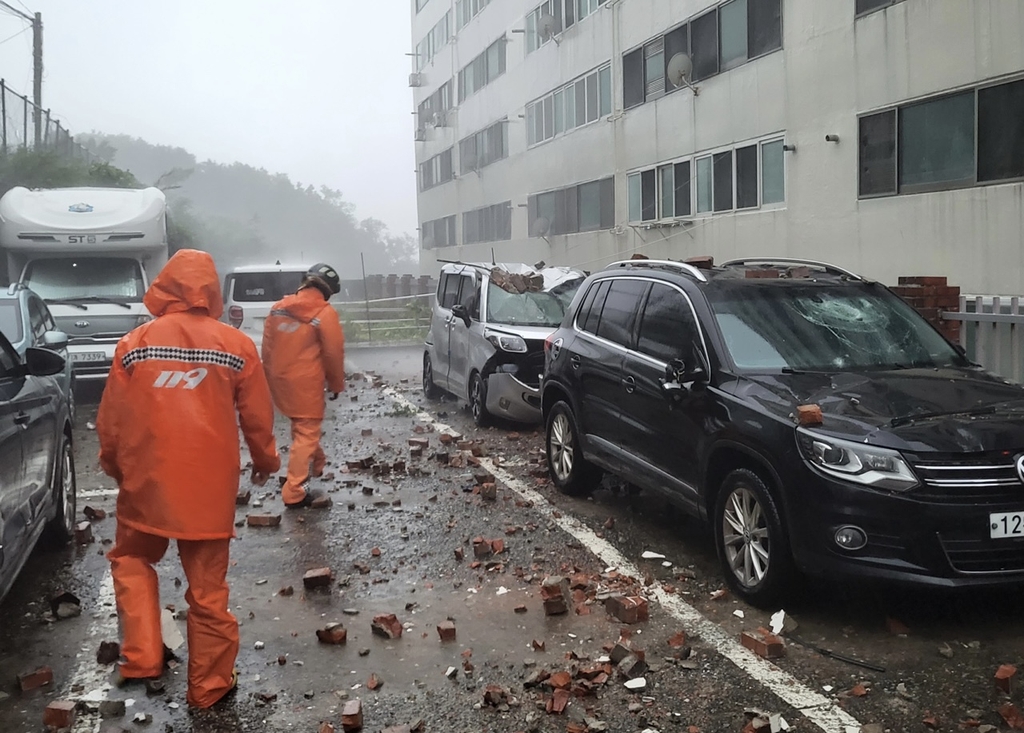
[[680, 68], [547, 27], [541, 226]]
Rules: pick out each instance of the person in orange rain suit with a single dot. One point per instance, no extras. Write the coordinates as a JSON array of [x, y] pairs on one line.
[[168, 422], [304, 348]]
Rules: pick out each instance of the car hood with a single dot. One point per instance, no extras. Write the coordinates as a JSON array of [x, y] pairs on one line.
[[947, 410]]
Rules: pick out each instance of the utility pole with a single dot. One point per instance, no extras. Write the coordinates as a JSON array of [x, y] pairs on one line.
[[37, 73]]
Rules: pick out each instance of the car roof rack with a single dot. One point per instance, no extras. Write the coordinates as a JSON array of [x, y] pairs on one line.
[[833, 269], [684, 267]]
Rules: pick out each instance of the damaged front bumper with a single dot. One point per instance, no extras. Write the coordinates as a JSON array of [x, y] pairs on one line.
[[512, 399]]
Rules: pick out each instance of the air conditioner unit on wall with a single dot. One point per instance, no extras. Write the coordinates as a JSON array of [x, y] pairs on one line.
[[415, 79], [421, 135]]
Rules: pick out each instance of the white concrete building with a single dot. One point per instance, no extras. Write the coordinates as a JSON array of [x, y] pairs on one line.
[[884, 135]]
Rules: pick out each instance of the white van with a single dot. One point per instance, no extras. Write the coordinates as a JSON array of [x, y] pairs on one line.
[[251, 291]]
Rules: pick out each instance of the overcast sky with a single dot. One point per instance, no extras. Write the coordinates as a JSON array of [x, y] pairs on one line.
[[316, 89]]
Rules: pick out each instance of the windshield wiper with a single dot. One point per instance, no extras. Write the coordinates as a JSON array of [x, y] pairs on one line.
[[88, 299], [907, 419]]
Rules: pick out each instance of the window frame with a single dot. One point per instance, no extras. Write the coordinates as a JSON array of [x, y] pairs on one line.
[[641, 317], [589, 83], [565, 208], [864, 13]]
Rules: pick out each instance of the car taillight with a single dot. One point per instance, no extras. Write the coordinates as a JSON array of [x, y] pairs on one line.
[[235, 316]]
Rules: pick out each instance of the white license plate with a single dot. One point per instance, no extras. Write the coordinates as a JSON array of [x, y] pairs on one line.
[[88, 356], [1006, 524]]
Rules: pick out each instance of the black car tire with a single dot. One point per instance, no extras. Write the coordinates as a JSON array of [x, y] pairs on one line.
[[755, 544], [570, 472], [478, 401], [430, 390], [61, 528]]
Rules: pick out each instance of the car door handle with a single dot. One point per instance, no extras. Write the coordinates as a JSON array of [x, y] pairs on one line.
[[21, 418], [630, 384], [575, 362]]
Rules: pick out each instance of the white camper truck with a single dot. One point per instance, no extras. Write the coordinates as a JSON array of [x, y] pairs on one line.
[[90, 253]]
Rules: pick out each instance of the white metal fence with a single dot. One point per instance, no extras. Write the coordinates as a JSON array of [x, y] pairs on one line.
[[991, 332]]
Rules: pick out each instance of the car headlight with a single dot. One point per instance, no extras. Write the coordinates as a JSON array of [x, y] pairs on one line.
[[871, 465], [507, 342]]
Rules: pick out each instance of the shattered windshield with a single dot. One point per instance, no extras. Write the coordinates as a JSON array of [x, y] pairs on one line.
[[540, 308], [824, 327]]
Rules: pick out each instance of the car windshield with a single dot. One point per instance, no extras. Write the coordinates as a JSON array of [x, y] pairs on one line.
[[69, 279], [10, 321], [264, 287], [543, 308], [824, 327]]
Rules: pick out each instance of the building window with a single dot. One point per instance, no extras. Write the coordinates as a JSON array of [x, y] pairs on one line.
[[704, 184], [764, 27], [635, 195], [586, 7], [433, 109], [437, 39], [437, 170], [535, 38], [722, 184], [438, 233], [676, 41], [746, 177], [489, 224], [704, 39], [773, 173], [863, 7], [481, 149], [682, 184], [583, 208], [1001, 132], [732, 34], [466, 10], [654, 68], [954, 141], [667, 191], [576, 104], [482, 70]]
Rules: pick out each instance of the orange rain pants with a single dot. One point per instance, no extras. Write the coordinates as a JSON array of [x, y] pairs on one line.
[[212, 630], [306, 452]]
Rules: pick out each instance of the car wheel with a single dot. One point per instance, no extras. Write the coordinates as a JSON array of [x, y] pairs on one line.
[[430, 390], [65, 495], [478, 401], [752, 544], [570, 471]]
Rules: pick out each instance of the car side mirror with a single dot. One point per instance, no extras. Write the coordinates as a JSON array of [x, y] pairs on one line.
[[459, 311], [681, 377], [55, 340], [43, 362]]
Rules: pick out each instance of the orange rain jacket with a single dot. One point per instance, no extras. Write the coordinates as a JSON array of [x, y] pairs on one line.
[[168, 421], [303, 347]]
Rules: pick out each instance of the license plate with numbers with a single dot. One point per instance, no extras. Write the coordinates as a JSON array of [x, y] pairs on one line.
[[1006, 524]]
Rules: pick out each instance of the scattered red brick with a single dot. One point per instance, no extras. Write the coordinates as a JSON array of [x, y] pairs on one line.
[[513, 437], [59, 714], [108, 653], [375, 552], [1011, 714], [35, 679], [538, 645], [678, 640], [352, 716], [83, 533], [446, 630], [445, 438], [859, 690], [243, 499], [374, 683], [931, 722], [1004, 678], [321, 502], [763, 643], [560, 680], [367, 432], [896, 627], [286, 591], [520, 608], [459, 554], [332, 634], [609, 523], [497, 546], [263, 520], [420, 443], [94, 515], [387, 625], [558, 702], [317, 578], [326, 727], [809, 415], [571, 727], [489, 491], [555, 593], [627, 609], [495, 695]]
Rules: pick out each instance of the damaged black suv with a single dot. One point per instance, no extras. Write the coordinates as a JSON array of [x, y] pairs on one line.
[[819, 423]]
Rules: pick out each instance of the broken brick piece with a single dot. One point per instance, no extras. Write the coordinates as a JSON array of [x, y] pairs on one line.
[[495, 695], [678, 640], [352, 716], [459, 554], [332, 634], [808, 415], [325, 727], [108, 653], [83, 533], [263, 520], [93, 514], [35, 679], [498, 546], [374, 683], [367, 432], [489, 491], [538, 645], [481, 547], [555, 593], [243, 499], [446, 630], [387, 625], [286, 591], [419, 443], [59, 714], [896, 627], [558, 702], [520, 608], [560, 680], [1012, 715], [317, 578], [321, 502], [632, 666], [763, 643], [628, 609], [1004, 677]]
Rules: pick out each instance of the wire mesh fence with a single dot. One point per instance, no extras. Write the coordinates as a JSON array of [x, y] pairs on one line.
[[24, 126]]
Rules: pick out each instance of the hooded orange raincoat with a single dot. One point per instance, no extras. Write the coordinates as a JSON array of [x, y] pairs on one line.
[[168, 425], [303, 349]]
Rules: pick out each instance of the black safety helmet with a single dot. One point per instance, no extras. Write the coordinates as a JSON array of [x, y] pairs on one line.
[[324, 278]]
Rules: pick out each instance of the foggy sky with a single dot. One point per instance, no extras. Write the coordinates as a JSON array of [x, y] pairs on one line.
[[316, 89]]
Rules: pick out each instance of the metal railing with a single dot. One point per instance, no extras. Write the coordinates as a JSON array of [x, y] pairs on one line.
[[18, 117], [386, 320], [991, 332]]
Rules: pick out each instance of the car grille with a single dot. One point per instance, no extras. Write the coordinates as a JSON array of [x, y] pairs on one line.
[[977, 555], [980, 480]]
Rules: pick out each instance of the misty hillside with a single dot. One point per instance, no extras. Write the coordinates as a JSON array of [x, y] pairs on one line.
[[246, 215]]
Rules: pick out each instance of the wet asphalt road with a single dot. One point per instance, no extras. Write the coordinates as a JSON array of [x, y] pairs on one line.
[[416, 520]]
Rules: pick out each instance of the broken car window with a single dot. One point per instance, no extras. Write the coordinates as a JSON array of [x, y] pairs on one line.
[[824, 327], [541, 308]]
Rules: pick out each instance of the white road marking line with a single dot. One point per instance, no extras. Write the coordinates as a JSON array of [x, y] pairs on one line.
[[89, 676], [97, 494], [817, 708]]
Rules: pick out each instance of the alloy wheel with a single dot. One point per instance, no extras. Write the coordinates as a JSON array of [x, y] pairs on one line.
[[560, 447], [68, 490], [745, 537]]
